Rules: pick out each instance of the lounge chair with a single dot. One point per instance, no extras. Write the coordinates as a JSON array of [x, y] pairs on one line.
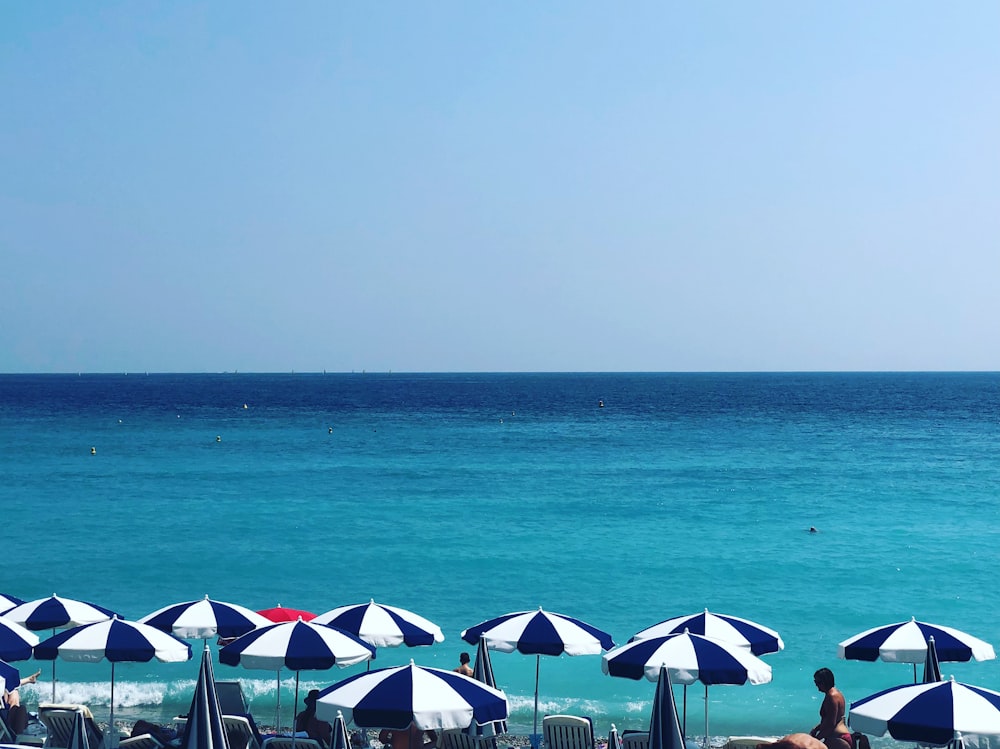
[[459, 739], [635, 740], [7, 735], [285, 742], [242, 735], [58, 721], [567, 732]]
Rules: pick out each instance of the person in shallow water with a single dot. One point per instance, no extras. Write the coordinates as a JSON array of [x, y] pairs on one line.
[[831, 729]]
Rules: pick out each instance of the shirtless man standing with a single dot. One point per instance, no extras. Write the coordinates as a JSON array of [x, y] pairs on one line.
[[831, 728]]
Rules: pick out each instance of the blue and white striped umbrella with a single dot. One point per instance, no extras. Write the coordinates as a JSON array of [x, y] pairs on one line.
[[906, 642], [539, 633], [8, 602], [932, 713], [10, 676], [689, 658], [296, 646], [16, 642], [115, 640], [204, 619], [338, 737], [664, 725], [204, 728], [483, 671], [758, 639], [429, 698], [932, 667], [383, 626], [57, 613], [78, 735]]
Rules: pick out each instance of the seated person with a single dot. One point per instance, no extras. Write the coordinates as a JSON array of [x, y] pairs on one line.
[[307, 722], [409, 738], [794, 741], [14, 713]]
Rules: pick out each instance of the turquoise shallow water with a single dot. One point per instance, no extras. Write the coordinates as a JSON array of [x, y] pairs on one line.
[[463, 497]]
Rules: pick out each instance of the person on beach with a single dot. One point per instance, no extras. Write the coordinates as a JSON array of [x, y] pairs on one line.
[[15, 714], [13, 698], [463, 667], [409, 738], [307, 722], [831, 729]]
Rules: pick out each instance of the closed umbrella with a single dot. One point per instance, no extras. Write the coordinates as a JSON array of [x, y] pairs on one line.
[[664, 726], [757, 638], [427, 698], [932, 668], [55, 613], [204, 728], [338, 737], [906, 642], [614, 740], [483, 671], [118, 641], [297, 646], [689, 658], [204, 619], [539, 633], [933, 713], [78, 737], [383, 626]]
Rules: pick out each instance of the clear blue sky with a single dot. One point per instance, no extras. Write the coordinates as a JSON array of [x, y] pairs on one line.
[[499, 186]]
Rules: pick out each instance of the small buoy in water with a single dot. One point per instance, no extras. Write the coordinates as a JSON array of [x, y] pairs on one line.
[[501, 421], [245, 405], [600, 404], [330, 430], [218, 438], [93, 451], [812, 529], [119, 421]]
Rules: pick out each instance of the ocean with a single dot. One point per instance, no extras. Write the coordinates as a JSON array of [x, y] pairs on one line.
[[619, 499]]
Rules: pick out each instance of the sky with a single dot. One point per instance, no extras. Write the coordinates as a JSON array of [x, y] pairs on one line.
[[499, 186]]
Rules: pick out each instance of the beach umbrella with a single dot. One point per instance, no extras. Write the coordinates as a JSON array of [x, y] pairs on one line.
[[539, 633], [614, 740], [57, 613], [483, 671], [383, 626], [78, 738], [339, 738], [203, 619], [297, 646], [10, 676], [664, 726], [204, 728], [428, 698], [732, 629], [16, 642], [280, 614], [906, 642], [933, 713], [8, 602], [689, 658], [118, 641], [932, 668]]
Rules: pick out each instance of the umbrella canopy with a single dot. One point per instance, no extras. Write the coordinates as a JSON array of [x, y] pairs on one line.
[[10, 676], [429, 698], [116, 640], [664, 725], [906, 642], [383, 626], [16, 642], [539, 633], [8, 602], [204, 619], [297, 646], [932, 668], [933, 713], [758, 639], [57, 613], [483, 671], [281, 614], [689, 658], [204, 728]]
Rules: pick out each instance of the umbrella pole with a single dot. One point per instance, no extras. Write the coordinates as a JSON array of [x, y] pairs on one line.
[[914, 673], [53, 672], [685, 725], [112, 738], [277, 709], [295, 712], [706, 716], [538, 660]]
